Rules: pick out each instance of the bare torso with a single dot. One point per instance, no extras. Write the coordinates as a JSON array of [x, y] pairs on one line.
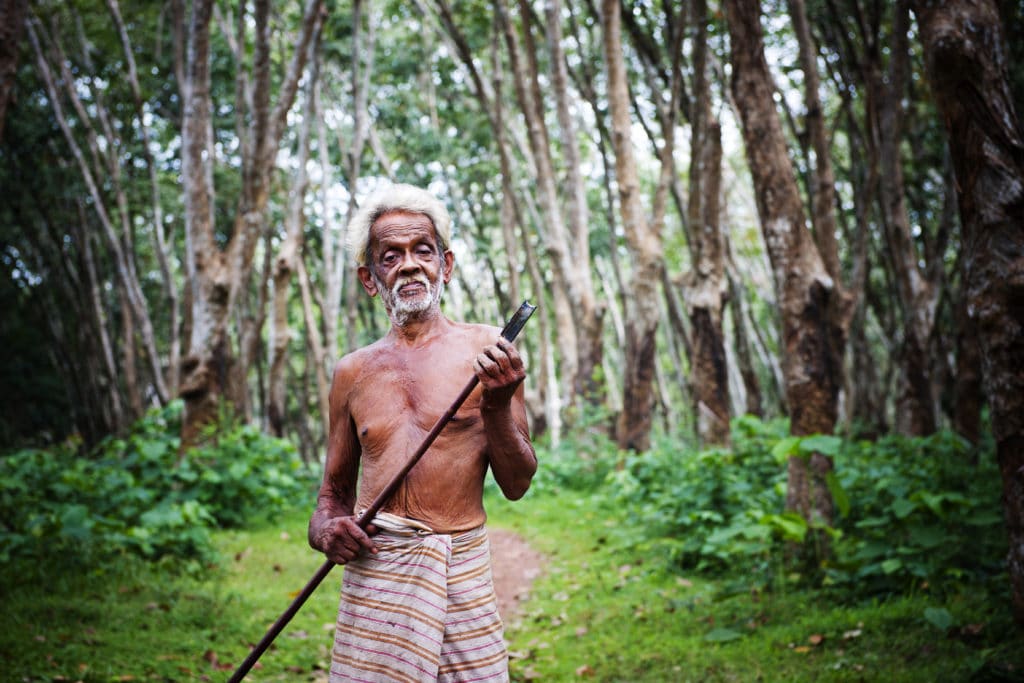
[[396, 392]]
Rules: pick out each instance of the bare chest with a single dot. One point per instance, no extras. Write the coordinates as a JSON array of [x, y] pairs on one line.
[[400, 398]]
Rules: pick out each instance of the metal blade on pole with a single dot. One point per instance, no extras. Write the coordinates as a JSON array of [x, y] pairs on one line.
[[509, 332]]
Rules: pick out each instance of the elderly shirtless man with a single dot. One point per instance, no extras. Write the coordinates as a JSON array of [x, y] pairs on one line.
[[417, 599]]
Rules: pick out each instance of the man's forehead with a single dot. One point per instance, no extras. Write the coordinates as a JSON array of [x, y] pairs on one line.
[[401, 226]]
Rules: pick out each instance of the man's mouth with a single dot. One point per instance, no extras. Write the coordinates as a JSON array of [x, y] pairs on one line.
[[410, 288]]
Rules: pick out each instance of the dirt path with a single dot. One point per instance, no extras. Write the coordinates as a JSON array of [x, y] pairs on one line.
[[515, 565]]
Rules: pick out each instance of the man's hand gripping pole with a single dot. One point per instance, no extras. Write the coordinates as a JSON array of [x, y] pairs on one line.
[[509, 332]]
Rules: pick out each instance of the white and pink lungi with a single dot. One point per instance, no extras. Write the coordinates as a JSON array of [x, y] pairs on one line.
[[422, 609]]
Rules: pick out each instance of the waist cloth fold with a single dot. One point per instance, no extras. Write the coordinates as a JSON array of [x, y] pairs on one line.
[[422, 609]]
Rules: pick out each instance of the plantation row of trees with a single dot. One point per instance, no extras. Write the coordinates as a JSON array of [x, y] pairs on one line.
[[809, 208]]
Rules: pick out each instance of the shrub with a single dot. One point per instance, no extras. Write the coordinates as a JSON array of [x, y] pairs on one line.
[[908, 510], [137, 494]]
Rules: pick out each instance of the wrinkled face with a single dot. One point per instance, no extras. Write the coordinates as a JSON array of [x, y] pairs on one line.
[[405, 266]]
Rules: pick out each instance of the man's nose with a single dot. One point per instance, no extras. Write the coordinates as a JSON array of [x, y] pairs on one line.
[[409, 263]]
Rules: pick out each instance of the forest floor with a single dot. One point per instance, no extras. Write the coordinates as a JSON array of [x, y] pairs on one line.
[[515, 566], [579, 602]]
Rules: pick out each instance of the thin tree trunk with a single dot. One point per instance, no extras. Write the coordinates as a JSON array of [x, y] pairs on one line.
[[705, 293], [287, 262], [100, 322], [589, 340], [916, 405], [124, 268], [812, 350], [316, 347], [161, 246], [744, 358], [967, 65], [552, 226], [967, 391], [128, 369]]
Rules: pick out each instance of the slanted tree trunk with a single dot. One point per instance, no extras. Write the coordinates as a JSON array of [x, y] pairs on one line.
[[101, 164], [160, 247], [589, 314], [811, 348], [967, 66], [642, 310], [552, 225], [744, 354]]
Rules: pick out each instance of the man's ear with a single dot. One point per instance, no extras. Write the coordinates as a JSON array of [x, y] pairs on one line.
[[449, 265], [366, 279]]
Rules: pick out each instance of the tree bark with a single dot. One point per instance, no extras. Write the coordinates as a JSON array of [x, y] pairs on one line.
[[706, 289], [642, 312], [161, 247], [216, 276], [967, 391], [967, 66], [916, 412], [12, 26], [811, 347], [590, 315], [287, 262], [552, 226]]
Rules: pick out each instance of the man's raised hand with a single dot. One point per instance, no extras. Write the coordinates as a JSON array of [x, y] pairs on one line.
[[500, 369]]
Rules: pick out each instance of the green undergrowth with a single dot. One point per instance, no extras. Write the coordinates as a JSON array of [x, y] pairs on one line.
[[670, 565], [136, 494], [139, 621], [606, 610]]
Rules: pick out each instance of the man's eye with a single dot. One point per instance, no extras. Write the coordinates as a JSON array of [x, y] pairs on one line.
[[388, 258]]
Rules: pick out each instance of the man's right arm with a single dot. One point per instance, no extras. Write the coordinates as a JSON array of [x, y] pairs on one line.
[[332, 528]]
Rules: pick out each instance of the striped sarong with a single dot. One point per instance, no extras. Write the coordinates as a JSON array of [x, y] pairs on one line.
[[422, 609]]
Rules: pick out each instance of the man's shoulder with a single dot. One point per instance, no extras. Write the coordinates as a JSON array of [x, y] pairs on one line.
[[479, 332], [354, 361]]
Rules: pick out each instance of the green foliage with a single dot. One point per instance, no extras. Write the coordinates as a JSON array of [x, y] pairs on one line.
[[606, 609], [909, 511], [137, 494], [921, 511]]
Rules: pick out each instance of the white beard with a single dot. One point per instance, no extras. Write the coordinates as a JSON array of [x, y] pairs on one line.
[[401, 309]]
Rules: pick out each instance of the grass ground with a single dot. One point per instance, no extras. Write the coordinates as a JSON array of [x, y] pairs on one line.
[[597, 613]]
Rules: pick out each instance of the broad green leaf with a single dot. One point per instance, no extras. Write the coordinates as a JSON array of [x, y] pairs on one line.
[[825, 444], [892, 565], [785, 448], [903, 507], [939, 617], [790, 525], [842, 501]]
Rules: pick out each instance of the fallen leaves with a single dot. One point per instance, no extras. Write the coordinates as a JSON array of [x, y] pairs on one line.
[[214, 661]]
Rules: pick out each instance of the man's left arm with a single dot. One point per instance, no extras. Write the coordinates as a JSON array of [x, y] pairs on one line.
[[501, 373]]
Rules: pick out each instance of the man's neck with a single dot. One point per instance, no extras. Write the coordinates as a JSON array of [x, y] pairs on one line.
[[419, 330]]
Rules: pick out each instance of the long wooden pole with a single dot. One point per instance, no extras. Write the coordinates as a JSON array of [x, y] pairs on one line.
[[510, 331]]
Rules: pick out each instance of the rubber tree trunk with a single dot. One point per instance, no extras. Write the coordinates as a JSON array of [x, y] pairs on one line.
[[967, 66], [811, 346], [707, 286], [642, 312]]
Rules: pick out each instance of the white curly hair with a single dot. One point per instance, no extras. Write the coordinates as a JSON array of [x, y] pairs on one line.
[[396, 197]]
